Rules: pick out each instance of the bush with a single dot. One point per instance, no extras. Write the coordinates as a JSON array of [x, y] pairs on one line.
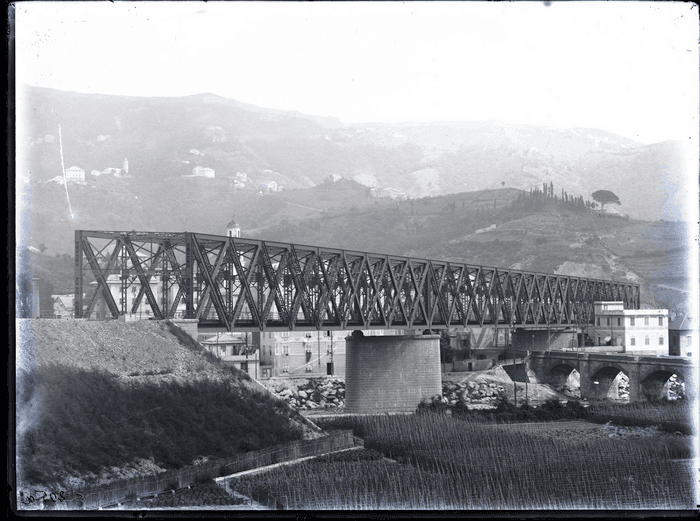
[[575, 409], [435, 404]]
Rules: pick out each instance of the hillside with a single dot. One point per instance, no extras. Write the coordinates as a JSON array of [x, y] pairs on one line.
[[490, 228], [97, 401], [165, 138], [460, 177]]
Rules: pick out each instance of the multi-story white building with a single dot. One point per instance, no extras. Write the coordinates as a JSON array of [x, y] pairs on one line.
[[75, 174], [643, 331]]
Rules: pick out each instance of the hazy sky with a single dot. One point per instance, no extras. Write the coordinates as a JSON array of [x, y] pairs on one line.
[[627, 67]]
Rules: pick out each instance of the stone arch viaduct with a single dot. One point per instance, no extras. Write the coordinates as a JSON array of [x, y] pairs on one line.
[[647, 374]]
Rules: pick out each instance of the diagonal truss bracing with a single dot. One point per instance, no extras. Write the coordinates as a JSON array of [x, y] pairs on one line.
[[253, 285]]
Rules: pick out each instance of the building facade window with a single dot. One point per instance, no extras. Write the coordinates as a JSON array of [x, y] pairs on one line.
[[619, 321], [661, 321], [607, 321], [285, 350], [646, 321], [661, 340], [689, 340], [646, 340], [597, 321], [631, 321], [632, 341]]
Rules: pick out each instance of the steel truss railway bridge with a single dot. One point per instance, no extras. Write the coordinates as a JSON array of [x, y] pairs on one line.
[[239, 284]]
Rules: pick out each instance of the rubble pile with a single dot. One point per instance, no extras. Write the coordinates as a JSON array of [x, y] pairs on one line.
[[623, 387], [309, 393], [472, 392], [570, 390], [676, 388], [613, 431]]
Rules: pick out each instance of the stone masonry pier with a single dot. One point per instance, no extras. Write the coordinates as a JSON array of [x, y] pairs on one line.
[[390, 373]]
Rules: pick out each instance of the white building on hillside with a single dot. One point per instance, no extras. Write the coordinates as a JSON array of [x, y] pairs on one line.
[[201, 171], [75, 174]]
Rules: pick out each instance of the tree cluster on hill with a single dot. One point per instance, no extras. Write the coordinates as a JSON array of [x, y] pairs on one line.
[[605, 197], [546, 197]]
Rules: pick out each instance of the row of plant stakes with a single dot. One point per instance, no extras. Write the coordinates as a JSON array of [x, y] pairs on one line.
[[470, 459], [461, 461]]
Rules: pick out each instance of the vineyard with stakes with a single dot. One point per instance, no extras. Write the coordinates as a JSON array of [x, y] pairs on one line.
[[435, 461]]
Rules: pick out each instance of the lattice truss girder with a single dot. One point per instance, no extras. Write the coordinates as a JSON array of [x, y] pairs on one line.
[[254, 285]]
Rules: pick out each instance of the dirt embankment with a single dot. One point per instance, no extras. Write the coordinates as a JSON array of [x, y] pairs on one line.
[[136, 352], [146, 350]]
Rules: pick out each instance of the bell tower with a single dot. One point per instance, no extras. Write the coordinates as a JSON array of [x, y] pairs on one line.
[[232, 228]]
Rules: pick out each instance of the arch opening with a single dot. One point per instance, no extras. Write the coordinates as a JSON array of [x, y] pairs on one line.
[[663, 385], [610, 383], [565, 379]]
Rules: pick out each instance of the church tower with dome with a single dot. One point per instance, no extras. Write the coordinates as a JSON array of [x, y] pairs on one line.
[[232, 228]]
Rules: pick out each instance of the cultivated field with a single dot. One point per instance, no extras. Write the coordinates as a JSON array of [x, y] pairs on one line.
[[443, 462]]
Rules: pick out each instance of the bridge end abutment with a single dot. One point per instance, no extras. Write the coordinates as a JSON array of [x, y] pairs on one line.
[[390, 373], [188, 325]]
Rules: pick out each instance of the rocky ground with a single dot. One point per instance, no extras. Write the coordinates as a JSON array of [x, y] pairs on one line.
[[477, 389], [580, 430], [309, 393], [487, 387]]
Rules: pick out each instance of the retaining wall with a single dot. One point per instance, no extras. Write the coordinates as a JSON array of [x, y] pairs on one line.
[[95, 497]]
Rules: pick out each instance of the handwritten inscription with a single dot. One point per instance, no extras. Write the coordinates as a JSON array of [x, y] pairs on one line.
[[44, 496]]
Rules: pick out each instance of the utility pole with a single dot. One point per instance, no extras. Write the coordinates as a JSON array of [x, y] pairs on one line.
[[526, 376], [515, 383]]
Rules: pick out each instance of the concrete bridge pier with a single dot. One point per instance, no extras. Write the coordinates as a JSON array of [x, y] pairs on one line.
[[390, 373]]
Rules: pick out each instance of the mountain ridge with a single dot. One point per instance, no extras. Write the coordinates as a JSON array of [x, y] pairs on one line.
[[157, 135]]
